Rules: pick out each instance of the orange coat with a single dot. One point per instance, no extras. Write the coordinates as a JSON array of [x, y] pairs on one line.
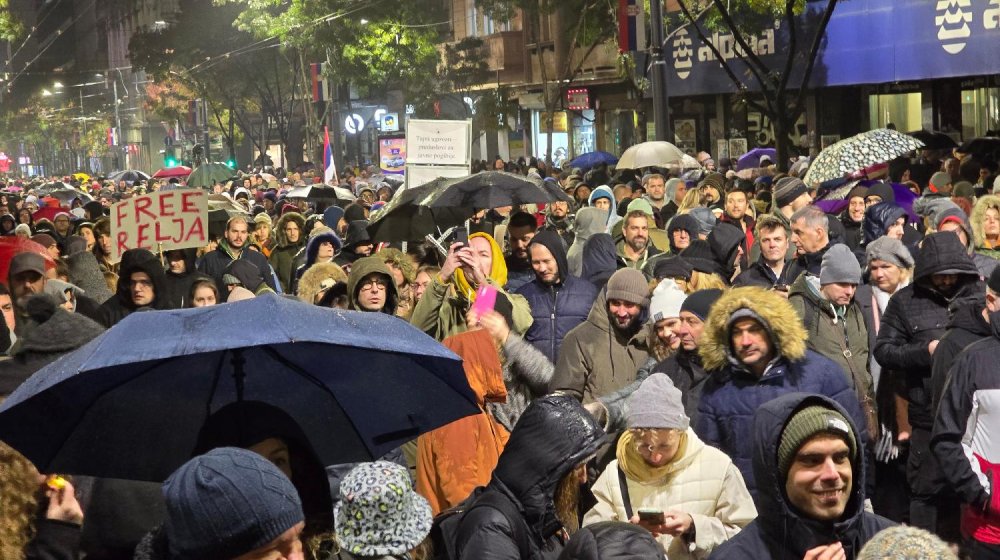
[[454, 459]]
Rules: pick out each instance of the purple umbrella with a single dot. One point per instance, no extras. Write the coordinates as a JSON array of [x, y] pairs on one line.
[[904, 199], [751, 159]]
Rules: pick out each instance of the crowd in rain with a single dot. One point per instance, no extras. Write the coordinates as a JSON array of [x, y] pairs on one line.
[[674, 361]]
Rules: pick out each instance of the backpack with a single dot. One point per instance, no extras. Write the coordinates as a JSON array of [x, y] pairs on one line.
[[444, 530]]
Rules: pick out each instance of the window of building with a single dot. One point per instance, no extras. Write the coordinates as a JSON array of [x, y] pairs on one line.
[[900, 109], [980, 111]]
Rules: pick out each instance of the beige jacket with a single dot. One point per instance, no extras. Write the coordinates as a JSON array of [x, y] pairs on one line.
[[704, 483]]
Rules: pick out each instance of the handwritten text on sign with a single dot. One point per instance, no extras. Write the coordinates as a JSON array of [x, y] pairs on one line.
[[175, 219]]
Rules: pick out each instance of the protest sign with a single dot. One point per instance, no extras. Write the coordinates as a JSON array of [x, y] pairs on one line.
[[165, 220]]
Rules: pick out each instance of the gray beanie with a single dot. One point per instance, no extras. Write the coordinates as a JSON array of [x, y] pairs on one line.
[[787, 189], [889, 250], [226, 503], [706, 219], [839, 265], [628, 284], [657, 404], [906, 543]]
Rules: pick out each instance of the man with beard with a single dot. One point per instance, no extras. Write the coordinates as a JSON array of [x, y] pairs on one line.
[[635, 247], [520, 231], [602, 354], [531, 502], [234, 246], [559, 219], [656, 191], [911, 328], [26, 277], [736, 213], [559, 301]]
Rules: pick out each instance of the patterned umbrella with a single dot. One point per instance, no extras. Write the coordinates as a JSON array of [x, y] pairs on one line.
[[651, 154], [859, 151]]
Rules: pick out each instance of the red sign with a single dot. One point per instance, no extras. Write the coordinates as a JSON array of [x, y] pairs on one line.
[[578, 99]]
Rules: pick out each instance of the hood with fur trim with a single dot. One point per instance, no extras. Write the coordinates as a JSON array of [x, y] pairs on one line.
[[781, 321], [312, 279], [279, 229], [979, 215]]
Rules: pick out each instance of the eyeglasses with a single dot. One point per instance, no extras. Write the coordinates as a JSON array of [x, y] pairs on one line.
[[373, 283]]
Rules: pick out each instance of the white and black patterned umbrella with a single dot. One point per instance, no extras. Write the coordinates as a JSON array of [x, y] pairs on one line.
[[858, 152]]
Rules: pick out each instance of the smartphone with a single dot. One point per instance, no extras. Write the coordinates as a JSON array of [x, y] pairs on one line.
[[486, 299], [651, 516], [461, 235]]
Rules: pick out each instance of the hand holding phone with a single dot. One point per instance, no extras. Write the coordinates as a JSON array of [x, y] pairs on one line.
[[650, 516]]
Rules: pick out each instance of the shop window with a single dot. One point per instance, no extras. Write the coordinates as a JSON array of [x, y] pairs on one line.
[[900, 109], [584, 132], [980, 111]]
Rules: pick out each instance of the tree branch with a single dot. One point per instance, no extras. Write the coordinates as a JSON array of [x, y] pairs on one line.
[[813, 52], [753, 62]]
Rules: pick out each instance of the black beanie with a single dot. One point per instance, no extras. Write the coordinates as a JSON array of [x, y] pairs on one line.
[[700, 303], [674, 267]]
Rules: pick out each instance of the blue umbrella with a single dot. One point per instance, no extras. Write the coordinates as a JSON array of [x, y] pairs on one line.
[[751, 159], [593, 159], [130, 403]]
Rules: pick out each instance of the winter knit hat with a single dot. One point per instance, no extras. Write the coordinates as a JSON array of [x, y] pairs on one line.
[[657, 404], [699, 254], [640, 204], [262, 218], [700, 303], [379, 514], [839, 265], [938, 181], [666, 301], [787, 189], [75, 244], [905, 543], [628, 284], [706, 219], [883, 191], [889, 250], [806, 423], [226, 503], [672, 267], [43, 239], [332, 216]]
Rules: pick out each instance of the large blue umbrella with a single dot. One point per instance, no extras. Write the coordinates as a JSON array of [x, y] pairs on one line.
[[130, 403], [751, 159], [593, 159]]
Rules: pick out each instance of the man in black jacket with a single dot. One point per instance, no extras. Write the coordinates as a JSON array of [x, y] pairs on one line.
[[965, 432], [142, 283], [911, 329], [771, 269], [26, 277], [235, 245]]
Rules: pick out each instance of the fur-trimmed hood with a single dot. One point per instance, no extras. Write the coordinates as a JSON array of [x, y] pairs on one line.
[[312, 279], [279, 229], [782, 323], [979, 214]]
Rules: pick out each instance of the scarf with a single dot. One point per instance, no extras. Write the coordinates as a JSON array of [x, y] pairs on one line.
[[636, 468], [498, 270]]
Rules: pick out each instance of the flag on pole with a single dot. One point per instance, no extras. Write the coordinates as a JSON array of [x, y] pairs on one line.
[[319, 82], [631, 26], [329, 166]]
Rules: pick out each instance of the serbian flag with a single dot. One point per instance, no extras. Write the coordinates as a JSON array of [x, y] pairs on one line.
[[329, 166], [631, 26], [319, 85]]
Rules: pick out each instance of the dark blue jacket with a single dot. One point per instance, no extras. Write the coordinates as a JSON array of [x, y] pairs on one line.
[[731, 396], [780, 532], [555, 308]]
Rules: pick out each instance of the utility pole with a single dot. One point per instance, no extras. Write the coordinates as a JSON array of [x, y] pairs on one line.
[[118, 131], [661, 109]]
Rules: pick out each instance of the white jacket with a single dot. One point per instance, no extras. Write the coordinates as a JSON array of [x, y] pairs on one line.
[[704, 483]]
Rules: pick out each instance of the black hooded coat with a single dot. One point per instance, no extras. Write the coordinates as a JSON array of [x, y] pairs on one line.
[[555, 308], [781, 531], [179, 285], [612, 540], [600, 259], [553, 436], [120, 305]]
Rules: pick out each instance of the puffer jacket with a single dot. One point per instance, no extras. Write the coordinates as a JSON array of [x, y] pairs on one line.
[[553, 437], [282, 257], [597, 359], [311, 252], [780, 531], [456, 458], [966, 326], [703, 483], [612, 540], [363, 267], [761, 275], [842, 339], [589, 221], [878, 219], [964, 439], [732, 394], [918, 314], [120, 305], [556, 309]]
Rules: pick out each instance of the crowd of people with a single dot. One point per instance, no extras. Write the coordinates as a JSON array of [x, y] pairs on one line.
[[678, 364]]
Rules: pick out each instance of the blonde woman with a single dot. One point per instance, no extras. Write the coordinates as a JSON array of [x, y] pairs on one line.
[[689, 495], [985, 221]]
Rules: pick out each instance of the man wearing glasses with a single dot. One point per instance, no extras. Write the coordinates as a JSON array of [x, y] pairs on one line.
[[371, 288]]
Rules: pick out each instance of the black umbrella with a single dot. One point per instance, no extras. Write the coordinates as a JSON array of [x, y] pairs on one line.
[[128, 175], [934, 140], [405, 218], [983, 146], [131, 403], [491, 189], [322, 193]]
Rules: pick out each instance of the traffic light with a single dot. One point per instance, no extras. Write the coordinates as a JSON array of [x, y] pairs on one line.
[[169, 157], [231, 161]]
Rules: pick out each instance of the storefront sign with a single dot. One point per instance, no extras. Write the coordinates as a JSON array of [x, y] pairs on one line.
[[164, 220], [578, 99], [392, 155], [863, 45], [557, 122]]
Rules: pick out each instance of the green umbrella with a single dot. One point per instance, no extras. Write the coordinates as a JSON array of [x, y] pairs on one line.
[[208, 174]]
